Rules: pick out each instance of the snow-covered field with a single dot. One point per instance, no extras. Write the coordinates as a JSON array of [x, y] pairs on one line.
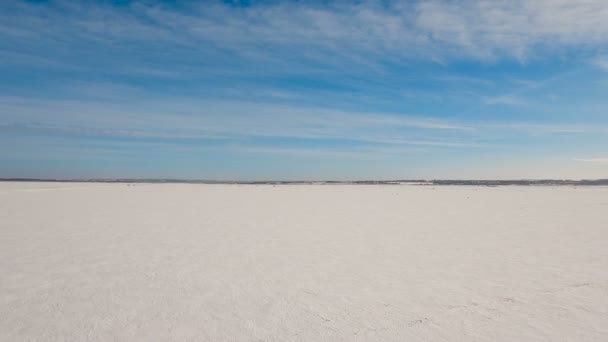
[[157, 262]]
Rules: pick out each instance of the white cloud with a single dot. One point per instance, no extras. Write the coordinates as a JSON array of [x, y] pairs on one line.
[[544, 128], [184, 118], [593, 160], [489, 29], [308, 152], [504, 100], [601, 62], [465, 80], [363, 33]]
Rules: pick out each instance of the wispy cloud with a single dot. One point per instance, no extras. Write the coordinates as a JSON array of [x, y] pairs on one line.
[[465, 80], [363, 33], [601, 62], [91, 131], [504, 100], [308, 152], [183, 118], [545, 128], [593, 160], [491, 29]]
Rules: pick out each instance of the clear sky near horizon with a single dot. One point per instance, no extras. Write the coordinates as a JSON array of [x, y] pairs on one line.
[[305, 90]]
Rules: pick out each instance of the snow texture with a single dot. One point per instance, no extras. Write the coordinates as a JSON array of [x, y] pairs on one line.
[[191, 262]]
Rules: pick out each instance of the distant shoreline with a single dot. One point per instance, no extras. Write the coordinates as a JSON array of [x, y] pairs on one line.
[[524, 182]]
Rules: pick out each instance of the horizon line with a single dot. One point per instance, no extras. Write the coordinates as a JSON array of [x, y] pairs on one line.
[[521, 181]]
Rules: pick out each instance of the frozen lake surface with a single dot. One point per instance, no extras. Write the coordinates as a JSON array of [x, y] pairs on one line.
[[150, 262]]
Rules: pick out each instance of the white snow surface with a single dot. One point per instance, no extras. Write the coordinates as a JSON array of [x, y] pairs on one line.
[[192, 262]]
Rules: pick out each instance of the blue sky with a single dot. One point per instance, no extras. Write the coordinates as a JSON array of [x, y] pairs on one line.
[[304, 90]]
